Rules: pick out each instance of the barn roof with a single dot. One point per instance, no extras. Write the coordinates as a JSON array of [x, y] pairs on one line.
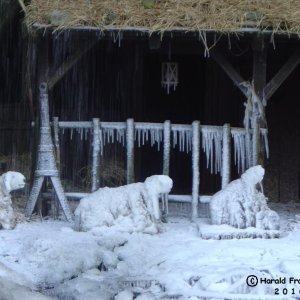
[[165, 15]]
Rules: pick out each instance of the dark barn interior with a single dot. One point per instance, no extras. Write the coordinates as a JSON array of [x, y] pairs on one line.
[[115, 82], [116, 79]]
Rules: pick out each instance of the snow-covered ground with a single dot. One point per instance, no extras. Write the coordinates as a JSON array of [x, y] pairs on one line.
[[50, 257]]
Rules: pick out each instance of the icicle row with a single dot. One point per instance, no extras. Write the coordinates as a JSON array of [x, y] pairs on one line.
[[182, 138], [212, 146], [242, 149], [142, 136]]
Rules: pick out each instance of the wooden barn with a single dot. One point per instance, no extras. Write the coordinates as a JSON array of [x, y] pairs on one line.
[[198, 91]]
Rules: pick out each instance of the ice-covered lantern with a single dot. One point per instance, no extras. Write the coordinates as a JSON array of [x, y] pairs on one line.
[[169, 75]]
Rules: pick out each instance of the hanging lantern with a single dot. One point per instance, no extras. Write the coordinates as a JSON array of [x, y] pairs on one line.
[[169, 75]]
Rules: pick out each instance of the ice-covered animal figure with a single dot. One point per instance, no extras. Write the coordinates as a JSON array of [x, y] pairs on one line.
[[133, 207], [241, 205], [9, 181]]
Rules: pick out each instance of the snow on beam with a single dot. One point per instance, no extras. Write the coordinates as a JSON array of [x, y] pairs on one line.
[[195, 167]]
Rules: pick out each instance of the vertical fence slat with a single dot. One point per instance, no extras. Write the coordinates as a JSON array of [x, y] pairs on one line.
[[195, 167], [255, 144], [130, 150], [96, 155], [226, 155], [167, 140]]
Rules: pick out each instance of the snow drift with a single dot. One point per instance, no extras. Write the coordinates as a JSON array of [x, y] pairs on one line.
[[241, 205], [133, 207]]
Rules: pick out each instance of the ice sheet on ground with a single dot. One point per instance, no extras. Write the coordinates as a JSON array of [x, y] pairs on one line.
[[50, 254]]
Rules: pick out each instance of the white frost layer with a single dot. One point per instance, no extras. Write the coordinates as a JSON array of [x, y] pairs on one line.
[[241, 205], [9, 181], [10, 290], [177, 258], [133, 207]]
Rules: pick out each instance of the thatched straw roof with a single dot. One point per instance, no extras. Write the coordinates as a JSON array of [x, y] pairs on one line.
[[161, 15]]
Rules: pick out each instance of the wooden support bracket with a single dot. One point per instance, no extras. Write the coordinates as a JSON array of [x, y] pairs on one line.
[[68, 64], [229, 70], [282, 74]]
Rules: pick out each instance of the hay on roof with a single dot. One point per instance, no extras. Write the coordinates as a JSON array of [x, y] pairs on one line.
[[159, 15]]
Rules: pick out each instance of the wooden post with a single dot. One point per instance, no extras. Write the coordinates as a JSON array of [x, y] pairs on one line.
[[195, 167], [130, 150], [255, 143], [226, 155], [167, 136], [96, 155], [259, 65]]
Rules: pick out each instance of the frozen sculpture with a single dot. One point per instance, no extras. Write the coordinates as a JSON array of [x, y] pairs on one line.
[[241, 205], [133, 207], [46, 164], [9, 181]]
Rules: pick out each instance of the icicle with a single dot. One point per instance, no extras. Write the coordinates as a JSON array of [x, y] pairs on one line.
[[174, 138], [242, 149], [101, 143], [120, 135], [85, 134], [152, 137], [71, 134], [265, 141], [212, 146], [81, 134]]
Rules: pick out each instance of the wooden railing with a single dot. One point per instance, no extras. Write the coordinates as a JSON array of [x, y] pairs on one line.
[[216, 143]]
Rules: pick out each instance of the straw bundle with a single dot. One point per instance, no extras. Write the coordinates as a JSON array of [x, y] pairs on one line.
[[159, 15]]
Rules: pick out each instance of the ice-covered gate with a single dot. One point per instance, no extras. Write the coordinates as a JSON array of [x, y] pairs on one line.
[[214, 140]]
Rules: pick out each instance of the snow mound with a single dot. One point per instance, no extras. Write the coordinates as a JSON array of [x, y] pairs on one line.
[[129, 208], [241, 205]]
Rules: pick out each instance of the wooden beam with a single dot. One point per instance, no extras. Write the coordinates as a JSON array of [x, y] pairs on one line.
[[282, 74], [259, 65], [68, 64], [229, 70]]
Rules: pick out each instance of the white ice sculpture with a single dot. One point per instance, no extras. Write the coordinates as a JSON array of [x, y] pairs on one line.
[[9, 181], [133, 207], [241, 205]]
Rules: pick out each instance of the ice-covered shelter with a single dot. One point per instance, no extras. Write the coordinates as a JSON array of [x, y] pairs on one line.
[[155, 62]]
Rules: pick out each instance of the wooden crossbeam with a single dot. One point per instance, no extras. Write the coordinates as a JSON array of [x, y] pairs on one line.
[[229, 70], [68, 64], [282, 74]]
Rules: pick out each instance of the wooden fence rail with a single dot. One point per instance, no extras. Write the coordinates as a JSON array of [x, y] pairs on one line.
[[185, 137]]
